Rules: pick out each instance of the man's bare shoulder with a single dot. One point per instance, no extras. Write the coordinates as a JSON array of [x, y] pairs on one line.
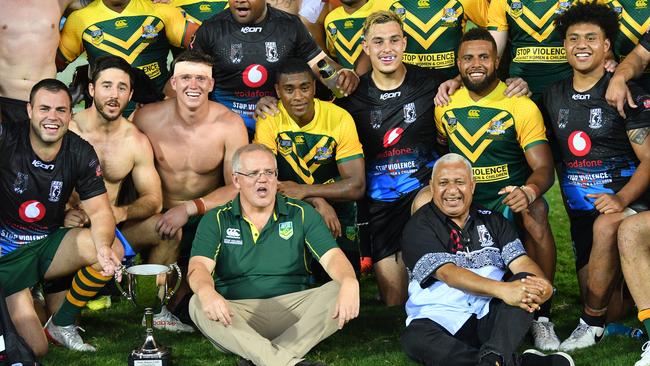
[[154, 114], [222, 115]]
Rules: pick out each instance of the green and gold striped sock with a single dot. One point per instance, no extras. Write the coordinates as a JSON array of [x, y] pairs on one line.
[[85, 285]]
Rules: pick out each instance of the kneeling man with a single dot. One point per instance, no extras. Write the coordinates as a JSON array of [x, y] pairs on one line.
[[461, 310], [256, 302]]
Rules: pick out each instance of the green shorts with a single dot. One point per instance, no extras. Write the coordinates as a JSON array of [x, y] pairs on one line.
[[27, 265], [347, 214]]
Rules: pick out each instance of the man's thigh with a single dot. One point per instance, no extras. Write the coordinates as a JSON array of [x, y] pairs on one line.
[[387, 219], [76, 250], [141, 233]]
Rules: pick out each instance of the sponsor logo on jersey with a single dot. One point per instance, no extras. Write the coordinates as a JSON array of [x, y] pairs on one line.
[[438, 60], [474, 113], [246, 30], [423, 4], [31, 211], [385, 96], [236, 53], [595, 118], [496, 128], [641, 4], [449, 18], [410, 113], [149, 33], [585, 163], [233, 237], [540, 54], [285, 230], [516, 8], [205, 8], [55, 190], [97, 36], [393, 136], [39, 164], [348, 24], [581, 96], [271, 52], [20, 184], [375, 118], [484, 236], [255, 75], [563, 117], [323, 153], [579, 143], [300, 139], [121, 23], [396, 152], [152, 70], [491, 173]]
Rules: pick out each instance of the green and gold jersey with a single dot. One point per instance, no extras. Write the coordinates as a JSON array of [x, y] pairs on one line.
[[434, 29], [493, 134], [344, 33], [538, 54], [199, 10], [141, 34], [633, 22], [311, 154]]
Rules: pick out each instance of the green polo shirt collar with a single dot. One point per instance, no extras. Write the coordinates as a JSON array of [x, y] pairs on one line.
[[280, 208]]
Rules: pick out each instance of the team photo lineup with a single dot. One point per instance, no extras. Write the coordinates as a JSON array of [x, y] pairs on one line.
[[246, 170]]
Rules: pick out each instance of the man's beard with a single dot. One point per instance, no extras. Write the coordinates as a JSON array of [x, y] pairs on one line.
[[480, 86], [100, 109]]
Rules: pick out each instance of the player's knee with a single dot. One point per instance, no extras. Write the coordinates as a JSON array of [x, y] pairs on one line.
[[605, 226], [631, 234]]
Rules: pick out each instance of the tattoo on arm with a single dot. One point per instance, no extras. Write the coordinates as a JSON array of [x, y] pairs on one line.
[[638, 135]]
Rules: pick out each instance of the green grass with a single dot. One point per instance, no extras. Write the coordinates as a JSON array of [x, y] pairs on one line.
[[372, 339]]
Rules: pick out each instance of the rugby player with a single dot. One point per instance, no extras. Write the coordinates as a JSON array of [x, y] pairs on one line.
[[604, 159]]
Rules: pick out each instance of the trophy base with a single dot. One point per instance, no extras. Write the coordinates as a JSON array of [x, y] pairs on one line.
[[139, 359]]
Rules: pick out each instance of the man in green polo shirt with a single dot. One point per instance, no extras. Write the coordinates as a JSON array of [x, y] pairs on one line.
[[249, 271]]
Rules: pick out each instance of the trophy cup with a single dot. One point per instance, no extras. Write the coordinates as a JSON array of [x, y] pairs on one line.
[[148, 287]]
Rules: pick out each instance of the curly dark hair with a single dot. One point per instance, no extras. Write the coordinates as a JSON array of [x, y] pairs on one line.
[[589, 13]]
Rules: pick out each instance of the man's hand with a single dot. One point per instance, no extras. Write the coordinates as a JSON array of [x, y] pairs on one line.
[[610, 65], [76, 217], [347, 81], [444, 91], [618, 94], [516, 199], [171, 221], [119, 213], [516, 87], [515, 293], [266, 106], [347, 303], [292, 189], [538, 290], [108, 260], [216, 307], [607, 203], [329, 215]]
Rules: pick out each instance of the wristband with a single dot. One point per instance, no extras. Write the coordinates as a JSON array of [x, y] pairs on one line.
[[200, 206]]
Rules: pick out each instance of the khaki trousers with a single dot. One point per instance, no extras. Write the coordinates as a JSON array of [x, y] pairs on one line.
[[278, 331]]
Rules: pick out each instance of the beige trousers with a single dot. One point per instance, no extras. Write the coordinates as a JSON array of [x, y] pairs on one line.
[[278, 331]]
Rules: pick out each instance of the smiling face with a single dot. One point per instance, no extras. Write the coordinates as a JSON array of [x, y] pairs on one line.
[[297, 94], [192, 82], [248, 11], [385, 44], [477, 64], [257, 190], [111, 93], [586, 47], [452, 187], [49, 116]]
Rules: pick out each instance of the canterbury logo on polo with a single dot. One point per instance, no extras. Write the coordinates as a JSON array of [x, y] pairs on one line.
[[233, 237]]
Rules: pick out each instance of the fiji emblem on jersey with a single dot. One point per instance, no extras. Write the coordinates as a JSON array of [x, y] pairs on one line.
[[285, 230], [55, 190], [563, 117], [496, 128], [236, 54], [410, 114], [20, 184], [271, 52], [284, 146], [484, 236], [595, 118], [97, 36], [149, 33], [323, 153], [375, 119], [562, 6], [449, 19], [516, 8]]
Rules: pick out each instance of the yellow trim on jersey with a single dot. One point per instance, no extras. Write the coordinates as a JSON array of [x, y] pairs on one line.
[[425, 27]]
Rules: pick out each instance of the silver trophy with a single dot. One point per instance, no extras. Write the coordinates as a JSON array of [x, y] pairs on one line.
[[149, 286]]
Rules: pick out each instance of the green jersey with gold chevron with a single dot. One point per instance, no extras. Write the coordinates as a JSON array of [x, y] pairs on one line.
[[633, 22], [141, 34], [434, 29], [493, 134], [200, 10], [538, 54], [310, 154], [344, 32]]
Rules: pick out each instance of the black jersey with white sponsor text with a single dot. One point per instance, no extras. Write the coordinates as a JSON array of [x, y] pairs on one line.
[[34, 192], [591, 136], [246, 56], [397, 131]]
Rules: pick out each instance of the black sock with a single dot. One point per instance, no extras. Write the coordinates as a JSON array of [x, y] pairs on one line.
[[594, 321], [544, 309]]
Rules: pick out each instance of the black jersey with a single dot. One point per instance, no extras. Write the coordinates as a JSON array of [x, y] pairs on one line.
[[592, 140], [397, 131], [247, 55], [34, 192], [645, 41]]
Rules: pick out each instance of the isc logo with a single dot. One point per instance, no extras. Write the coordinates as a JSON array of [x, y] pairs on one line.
[[473, 113]]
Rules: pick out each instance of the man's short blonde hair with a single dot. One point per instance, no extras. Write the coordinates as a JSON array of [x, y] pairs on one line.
[[381, 17]]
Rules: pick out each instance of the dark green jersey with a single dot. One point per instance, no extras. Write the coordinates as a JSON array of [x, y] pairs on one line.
[[200, 10]]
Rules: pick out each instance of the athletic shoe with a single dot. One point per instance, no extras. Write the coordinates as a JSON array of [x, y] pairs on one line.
[[167, 321], [543, 332], [583, 336], [533, 357], [366, 265], [645, 355], [67, 336], [101, 302], [244, 362]]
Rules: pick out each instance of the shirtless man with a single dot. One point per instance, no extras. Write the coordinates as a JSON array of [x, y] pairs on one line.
[[193, 141]]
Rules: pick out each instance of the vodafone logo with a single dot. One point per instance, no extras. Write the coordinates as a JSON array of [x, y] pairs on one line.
[[393, 136], [31, 211], [579, 143], [255, 75]]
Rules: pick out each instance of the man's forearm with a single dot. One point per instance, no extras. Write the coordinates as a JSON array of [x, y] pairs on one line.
[[542, 178], [339, 268], [637, 184], [200, 280], [102, 229], [631, 68], [218, 197], [466, 280], [143, 207], [348, 189]]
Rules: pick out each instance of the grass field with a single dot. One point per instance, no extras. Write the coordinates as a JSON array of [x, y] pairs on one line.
[[372, 339]]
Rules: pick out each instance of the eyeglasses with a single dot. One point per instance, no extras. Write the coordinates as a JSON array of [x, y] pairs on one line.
[[268, 173]]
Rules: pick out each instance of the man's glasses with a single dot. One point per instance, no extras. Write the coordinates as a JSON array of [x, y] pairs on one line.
[[268, 173]]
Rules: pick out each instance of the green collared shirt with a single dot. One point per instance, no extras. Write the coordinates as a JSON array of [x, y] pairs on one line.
[[252, 264]]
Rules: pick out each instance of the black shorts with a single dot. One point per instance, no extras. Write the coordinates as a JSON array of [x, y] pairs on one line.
[[13, 110], [386, 221]]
